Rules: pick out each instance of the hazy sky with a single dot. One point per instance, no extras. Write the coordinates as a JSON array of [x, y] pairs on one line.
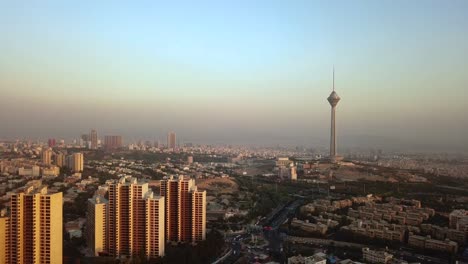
[[237, 71]]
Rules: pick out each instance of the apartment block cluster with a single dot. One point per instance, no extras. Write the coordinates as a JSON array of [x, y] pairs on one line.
[[49, 166], [134, 220], [395, 210], [320, 225], [443, 238], [426, 242], [326, 205], [28, 168], [31, 231], [379, 229], [326, 218], [74, 161], [443, 233], [397, 217], [368, 255]]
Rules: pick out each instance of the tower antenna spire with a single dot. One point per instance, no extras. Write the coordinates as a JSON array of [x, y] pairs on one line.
[[333, 77]]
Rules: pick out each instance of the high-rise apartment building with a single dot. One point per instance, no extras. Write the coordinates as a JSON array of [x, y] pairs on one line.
[[35, 227], [60, 159], [155, 226], [47, 156], [185, 210], [96, 235], [93, 138], [75, 162], [171, 140], [198, 216], [112, 142], [4, 237], [135, 220]]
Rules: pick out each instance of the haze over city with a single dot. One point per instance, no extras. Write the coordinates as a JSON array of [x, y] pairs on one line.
[[234, 132], [239, 72]]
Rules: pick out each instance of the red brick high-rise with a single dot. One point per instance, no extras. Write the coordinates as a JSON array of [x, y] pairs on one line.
[[185, 210]]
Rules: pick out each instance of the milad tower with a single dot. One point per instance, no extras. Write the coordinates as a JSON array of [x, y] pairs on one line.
[[333, 99]]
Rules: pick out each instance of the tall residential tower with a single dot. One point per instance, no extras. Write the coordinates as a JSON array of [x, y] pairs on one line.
[[185, 210], [34, 233], [135, 220], [75, 162], [47, 156]]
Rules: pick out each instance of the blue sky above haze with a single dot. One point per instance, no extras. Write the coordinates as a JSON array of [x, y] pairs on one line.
[[236, 71]]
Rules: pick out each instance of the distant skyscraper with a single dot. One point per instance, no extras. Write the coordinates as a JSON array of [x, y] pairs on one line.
[[93, 137], [75, 162], [51, 142], [112, 142], [171, 140], [35, 227], [47, 156], [185, 210], [85, 137], [333, 99]]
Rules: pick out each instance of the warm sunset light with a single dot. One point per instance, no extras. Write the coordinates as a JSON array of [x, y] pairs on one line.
[[232, 132]]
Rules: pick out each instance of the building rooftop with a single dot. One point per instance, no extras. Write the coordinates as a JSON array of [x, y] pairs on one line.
[[97, 200]]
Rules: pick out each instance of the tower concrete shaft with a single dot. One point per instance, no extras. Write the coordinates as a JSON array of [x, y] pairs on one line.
[[333, 135]]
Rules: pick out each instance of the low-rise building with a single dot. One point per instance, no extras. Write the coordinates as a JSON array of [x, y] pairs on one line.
[[29, 171], [315, 259], [375, 229], [374, 256], [50, 171], [426, 242], [309, 227], [458, 219], [442, 233]]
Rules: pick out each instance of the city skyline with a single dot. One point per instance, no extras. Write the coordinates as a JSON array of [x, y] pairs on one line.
[[232, 132], [254, 75]]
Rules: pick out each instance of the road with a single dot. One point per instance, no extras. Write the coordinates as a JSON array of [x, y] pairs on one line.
[[234, 253], [324, 242]]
